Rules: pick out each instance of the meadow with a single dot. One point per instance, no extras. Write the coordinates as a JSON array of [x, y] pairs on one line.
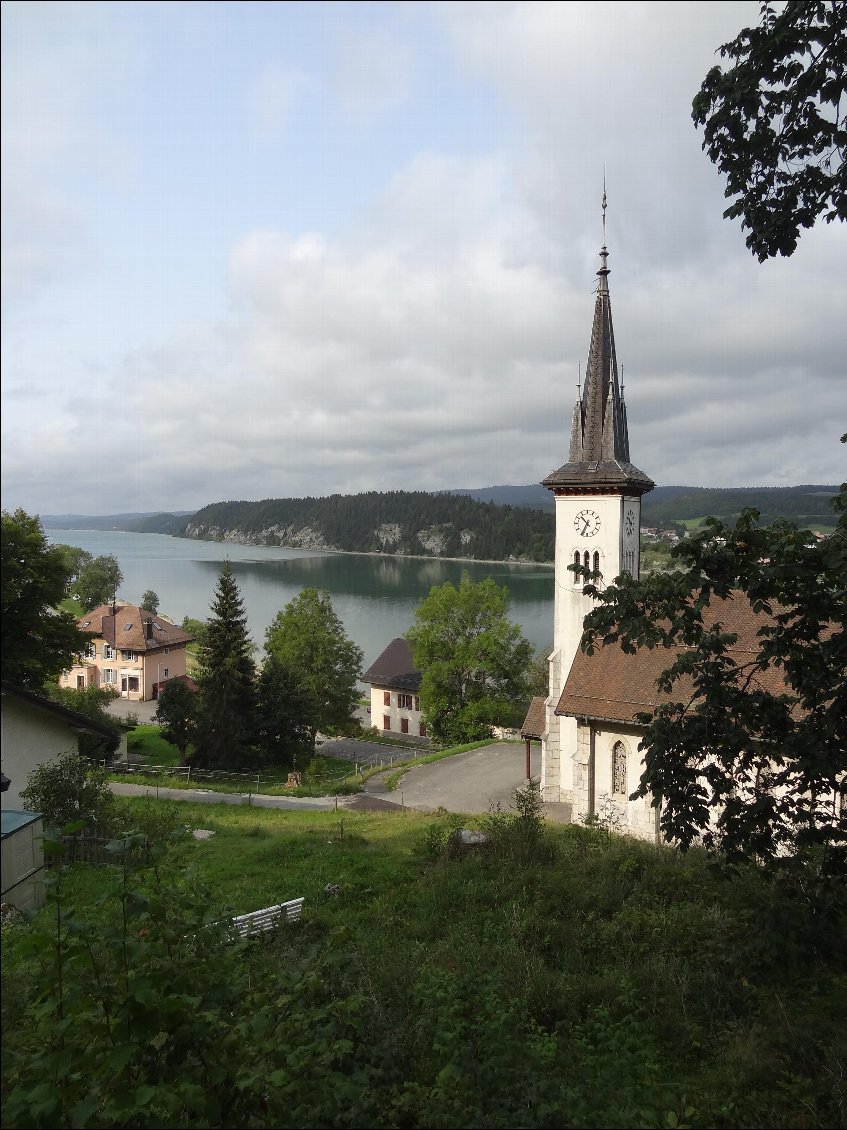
[[558, 976]]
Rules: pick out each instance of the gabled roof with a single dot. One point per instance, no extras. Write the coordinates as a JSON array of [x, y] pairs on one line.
[[75, 720], [611, 685], [535, 723], [132, 628], [394, 668]]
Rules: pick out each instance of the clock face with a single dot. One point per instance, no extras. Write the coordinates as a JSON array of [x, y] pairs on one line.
[[586, 523], [629, 522]]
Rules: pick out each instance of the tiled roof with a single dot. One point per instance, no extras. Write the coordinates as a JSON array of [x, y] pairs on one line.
[[535, 723], [132, 628], [615, 686], [394, 668]]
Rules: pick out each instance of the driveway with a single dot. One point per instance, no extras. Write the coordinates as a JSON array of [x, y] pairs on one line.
[[466, 782]]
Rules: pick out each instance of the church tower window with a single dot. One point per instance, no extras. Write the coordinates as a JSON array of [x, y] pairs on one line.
[[597, 564], [619, 768]]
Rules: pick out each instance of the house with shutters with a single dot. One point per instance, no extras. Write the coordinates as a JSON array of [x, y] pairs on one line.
[[131, 651], [395, 692]]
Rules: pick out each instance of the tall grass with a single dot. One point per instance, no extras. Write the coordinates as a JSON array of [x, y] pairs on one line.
[[551, 977]]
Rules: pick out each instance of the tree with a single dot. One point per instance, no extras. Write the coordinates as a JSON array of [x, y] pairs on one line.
[[98, 581], [176, 714], [227, 695], [75, 560], [67, 789], [39, 640], [283, 716], [774, 122], [538, 676], [770, 759], [474, 662], [150, 601], [308, 639]]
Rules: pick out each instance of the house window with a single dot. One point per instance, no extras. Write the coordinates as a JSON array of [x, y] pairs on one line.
[[110, 675], [129, 656], [108, 651], [90, 651], [165, 673], [386, 722], [167, 651], [619, 768], [423, 730], [404, 725], [386, 698], [404, 701]]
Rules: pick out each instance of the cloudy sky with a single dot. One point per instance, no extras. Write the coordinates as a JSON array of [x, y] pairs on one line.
[[261, 250]]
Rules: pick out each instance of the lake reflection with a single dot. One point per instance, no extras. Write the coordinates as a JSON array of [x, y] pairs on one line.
[[375, 597]]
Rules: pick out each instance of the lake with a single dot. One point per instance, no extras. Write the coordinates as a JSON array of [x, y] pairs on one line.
[[375, 597]]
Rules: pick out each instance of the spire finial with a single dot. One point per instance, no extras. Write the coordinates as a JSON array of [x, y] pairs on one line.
[[604, 254]]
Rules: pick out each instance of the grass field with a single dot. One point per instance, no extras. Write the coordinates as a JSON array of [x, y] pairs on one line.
[[559, 977]]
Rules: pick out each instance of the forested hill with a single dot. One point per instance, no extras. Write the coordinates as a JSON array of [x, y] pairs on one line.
[[413, 523]]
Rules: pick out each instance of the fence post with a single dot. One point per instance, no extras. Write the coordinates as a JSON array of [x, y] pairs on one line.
[[257, 782], [188, 778]]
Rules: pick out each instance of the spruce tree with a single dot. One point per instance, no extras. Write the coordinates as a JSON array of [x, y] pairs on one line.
[[227, 700]]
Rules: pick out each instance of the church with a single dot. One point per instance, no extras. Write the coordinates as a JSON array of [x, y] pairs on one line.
[[590, 755]]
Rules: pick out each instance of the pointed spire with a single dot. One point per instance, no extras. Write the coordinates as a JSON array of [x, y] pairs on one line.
[[604, 436], [599, 442]]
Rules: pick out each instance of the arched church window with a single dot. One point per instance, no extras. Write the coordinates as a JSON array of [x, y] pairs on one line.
[[577, 580], [619, 768], [597, 563], [586, 561]]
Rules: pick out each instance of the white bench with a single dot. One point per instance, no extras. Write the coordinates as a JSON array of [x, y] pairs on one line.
[[260, 921]]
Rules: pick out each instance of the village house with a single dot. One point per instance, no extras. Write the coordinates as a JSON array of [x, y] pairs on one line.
[[132, 652], [395, 691]]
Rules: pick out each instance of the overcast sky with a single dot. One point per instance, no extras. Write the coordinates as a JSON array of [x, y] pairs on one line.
[[264, 250]]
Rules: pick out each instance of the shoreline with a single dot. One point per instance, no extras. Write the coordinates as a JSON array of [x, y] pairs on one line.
[[316, 550]]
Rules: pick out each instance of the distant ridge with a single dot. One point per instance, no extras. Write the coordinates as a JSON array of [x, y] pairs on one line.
[[491, 523], [806, 505]]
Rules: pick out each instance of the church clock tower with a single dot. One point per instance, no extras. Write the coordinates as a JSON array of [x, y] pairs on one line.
[[598, 522]]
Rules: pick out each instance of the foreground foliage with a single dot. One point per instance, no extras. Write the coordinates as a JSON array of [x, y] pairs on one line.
[[558, 977], [774, 122]]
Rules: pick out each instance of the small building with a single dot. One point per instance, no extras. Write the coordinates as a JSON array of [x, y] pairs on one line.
[[22, 860], [395, 692], [34, 730], [131, 651]]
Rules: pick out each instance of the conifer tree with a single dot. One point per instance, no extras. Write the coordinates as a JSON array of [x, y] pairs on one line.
[[285, 709], [227, 700]]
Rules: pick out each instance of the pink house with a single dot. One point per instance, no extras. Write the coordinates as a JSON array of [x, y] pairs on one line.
[[131, 651]]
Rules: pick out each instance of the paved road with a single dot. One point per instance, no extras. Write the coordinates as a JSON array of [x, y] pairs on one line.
[[468, 782]]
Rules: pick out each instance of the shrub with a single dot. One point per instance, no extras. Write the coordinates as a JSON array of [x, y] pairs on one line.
[[68, 789]]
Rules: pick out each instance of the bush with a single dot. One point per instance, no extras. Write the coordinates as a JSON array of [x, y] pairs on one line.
[[68, 789]]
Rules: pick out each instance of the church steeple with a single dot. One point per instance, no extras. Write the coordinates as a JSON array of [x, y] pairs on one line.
[[599, 447]]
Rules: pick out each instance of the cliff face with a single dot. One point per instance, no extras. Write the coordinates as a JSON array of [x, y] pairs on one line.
[[411, 524]]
